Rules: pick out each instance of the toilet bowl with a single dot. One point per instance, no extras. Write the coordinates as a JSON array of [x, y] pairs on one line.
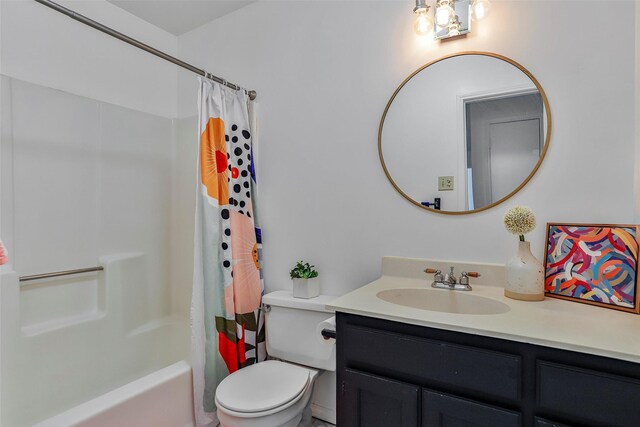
[[268, 394], [284, 392]]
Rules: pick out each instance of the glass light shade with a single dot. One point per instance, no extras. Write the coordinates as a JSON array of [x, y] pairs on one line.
[[443, 15], [454, 29], [423, 25], [480, 9]]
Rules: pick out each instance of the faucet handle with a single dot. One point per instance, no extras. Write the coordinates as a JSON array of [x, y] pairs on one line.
[[437, 274], [464, 277]]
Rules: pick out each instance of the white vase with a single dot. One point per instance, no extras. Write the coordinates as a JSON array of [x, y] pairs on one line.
[[306, 288], [525, 275]]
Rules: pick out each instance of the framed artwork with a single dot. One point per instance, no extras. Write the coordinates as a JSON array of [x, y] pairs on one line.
[[593, 264]]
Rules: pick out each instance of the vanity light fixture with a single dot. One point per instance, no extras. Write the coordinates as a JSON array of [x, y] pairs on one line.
[[444, 12], [454, 27], [480, 9], [452, 17]]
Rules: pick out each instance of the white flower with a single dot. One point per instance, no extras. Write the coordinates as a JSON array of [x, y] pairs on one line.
[[519, 220]]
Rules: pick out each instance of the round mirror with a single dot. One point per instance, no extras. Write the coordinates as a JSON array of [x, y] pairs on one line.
[[464, 133]]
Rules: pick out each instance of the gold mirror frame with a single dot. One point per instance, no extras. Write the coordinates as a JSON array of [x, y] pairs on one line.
[[527, 179]]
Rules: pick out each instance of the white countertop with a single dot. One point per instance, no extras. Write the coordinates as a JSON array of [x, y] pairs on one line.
[[552, 322]]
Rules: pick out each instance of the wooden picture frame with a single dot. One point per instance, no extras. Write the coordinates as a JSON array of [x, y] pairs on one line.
[[593, 264]]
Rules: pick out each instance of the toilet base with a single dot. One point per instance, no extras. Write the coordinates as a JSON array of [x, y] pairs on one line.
[[306, 419], [300, 420]]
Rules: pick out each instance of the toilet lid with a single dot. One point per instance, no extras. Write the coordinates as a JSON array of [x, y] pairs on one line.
[[262, 386]]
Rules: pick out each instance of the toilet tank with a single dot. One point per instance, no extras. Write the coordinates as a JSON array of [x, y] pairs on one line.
[[291, 334]]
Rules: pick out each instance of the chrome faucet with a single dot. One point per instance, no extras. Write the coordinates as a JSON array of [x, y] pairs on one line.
[[449, 281], [450, 277]]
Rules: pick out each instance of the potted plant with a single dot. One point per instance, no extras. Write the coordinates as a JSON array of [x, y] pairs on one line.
[[305, 280]]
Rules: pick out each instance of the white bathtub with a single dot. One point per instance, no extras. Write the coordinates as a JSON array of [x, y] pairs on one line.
[[161, 399]]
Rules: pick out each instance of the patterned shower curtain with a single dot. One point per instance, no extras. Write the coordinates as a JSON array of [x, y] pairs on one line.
[[227, 329]]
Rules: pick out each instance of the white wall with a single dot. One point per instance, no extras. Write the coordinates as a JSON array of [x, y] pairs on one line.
[[637, 156], [45, 47], [183, 207], [324, 72]]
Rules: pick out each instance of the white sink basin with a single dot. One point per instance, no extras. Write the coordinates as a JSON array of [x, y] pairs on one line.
[[443, 301]]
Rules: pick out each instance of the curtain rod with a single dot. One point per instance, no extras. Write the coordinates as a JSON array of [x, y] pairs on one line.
[[110, 31]]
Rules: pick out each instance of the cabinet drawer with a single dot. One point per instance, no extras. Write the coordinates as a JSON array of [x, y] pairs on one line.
[[443, 410], [432, 362], [592, 397]]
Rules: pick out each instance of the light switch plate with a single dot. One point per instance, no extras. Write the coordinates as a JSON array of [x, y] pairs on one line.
[[445, 183]]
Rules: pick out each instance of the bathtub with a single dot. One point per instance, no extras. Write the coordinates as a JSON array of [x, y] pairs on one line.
[[161, 399]]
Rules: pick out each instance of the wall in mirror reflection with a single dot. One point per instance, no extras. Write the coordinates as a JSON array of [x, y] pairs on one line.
[[476, 118]]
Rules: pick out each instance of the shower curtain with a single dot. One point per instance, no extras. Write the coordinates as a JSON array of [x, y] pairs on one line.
[[227, 329], [4, 257]]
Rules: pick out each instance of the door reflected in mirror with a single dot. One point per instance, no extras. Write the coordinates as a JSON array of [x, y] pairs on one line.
[[504, 139], [479, 118]]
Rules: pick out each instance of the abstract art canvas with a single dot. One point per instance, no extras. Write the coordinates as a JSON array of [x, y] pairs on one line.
[[594, 264]]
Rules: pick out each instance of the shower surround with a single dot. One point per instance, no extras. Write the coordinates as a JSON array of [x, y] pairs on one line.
[[83, 184]]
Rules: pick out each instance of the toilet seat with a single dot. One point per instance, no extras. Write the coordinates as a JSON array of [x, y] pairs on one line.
[[262, 389]]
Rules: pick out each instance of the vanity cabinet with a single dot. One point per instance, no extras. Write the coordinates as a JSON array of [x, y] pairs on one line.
[[396, 374]]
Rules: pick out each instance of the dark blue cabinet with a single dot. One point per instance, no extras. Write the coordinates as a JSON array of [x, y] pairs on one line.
[[378, 401], [444, 410], [540, 422], [396, 374]]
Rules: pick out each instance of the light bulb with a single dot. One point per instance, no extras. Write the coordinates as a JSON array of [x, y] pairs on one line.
[[423, 25], [480, 9], [444, 14], [454, 27]]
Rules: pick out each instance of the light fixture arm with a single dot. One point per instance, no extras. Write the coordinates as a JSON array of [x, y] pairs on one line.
[[421, 7]]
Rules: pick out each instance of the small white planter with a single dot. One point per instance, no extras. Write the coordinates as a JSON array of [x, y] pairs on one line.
[[306, 288]]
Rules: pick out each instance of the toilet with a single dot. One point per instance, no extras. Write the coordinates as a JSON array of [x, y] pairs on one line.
[[299, 380]]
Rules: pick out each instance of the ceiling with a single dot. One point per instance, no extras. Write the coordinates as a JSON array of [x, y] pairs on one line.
[[180, 16]]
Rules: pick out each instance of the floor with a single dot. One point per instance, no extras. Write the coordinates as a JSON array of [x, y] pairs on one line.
[[319, 423]]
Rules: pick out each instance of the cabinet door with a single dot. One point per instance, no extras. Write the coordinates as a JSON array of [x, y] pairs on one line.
[[541, 422], [366, 400], [443, 410], [588, 397]]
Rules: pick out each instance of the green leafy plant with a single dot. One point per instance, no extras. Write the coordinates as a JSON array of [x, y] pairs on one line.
[[303, 270]]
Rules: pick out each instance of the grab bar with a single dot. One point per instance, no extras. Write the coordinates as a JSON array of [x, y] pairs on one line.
[[60, 273]]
